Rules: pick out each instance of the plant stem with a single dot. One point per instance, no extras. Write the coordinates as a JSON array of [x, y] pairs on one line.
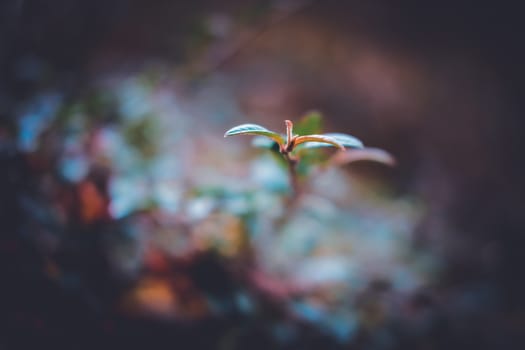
[[291, 201], [292, 172]]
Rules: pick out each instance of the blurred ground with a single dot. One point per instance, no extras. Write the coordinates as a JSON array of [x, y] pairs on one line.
[[128, 221]]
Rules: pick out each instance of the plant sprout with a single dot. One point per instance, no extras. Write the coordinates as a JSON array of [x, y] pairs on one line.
[[349, 148]]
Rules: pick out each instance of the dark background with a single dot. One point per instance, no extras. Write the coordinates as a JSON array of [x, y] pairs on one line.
[[456, 131]]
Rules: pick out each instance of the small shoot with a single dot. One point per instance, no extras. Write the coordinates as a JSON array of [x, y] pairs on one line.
[[290, 141], [350, 149]]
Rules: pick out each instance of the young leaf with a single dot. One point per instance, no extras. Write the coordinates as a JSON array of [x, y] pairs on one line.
[[369, 154], [342, 139], [319, 139], [254, 129], [311, 123], [289, 132]]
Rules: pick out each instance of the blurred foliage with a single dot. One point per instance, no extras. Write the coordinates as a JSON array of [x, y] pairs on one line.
[[126, 158]]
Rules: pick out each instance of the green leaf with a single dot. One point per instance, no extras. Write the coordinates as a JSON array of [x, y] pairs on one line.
[[254, 129], [319, 139], [342, 139], [311, 123]]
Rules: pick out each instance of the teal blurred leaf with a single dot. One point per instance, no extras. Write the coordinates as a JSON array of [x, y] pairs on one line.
[[263, 142], [367, 154]]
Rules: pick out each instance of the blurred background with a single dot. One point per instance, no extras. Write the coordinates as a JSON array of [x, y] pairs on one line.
[[129, 222]]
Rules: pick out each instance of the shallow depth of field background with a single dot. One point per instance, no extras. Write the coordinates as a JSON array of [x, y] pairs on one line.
[[129, 222]]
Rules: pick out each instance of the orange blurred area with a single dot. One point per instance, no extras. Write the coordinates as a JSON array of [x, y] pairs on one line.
[[158, 297]]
